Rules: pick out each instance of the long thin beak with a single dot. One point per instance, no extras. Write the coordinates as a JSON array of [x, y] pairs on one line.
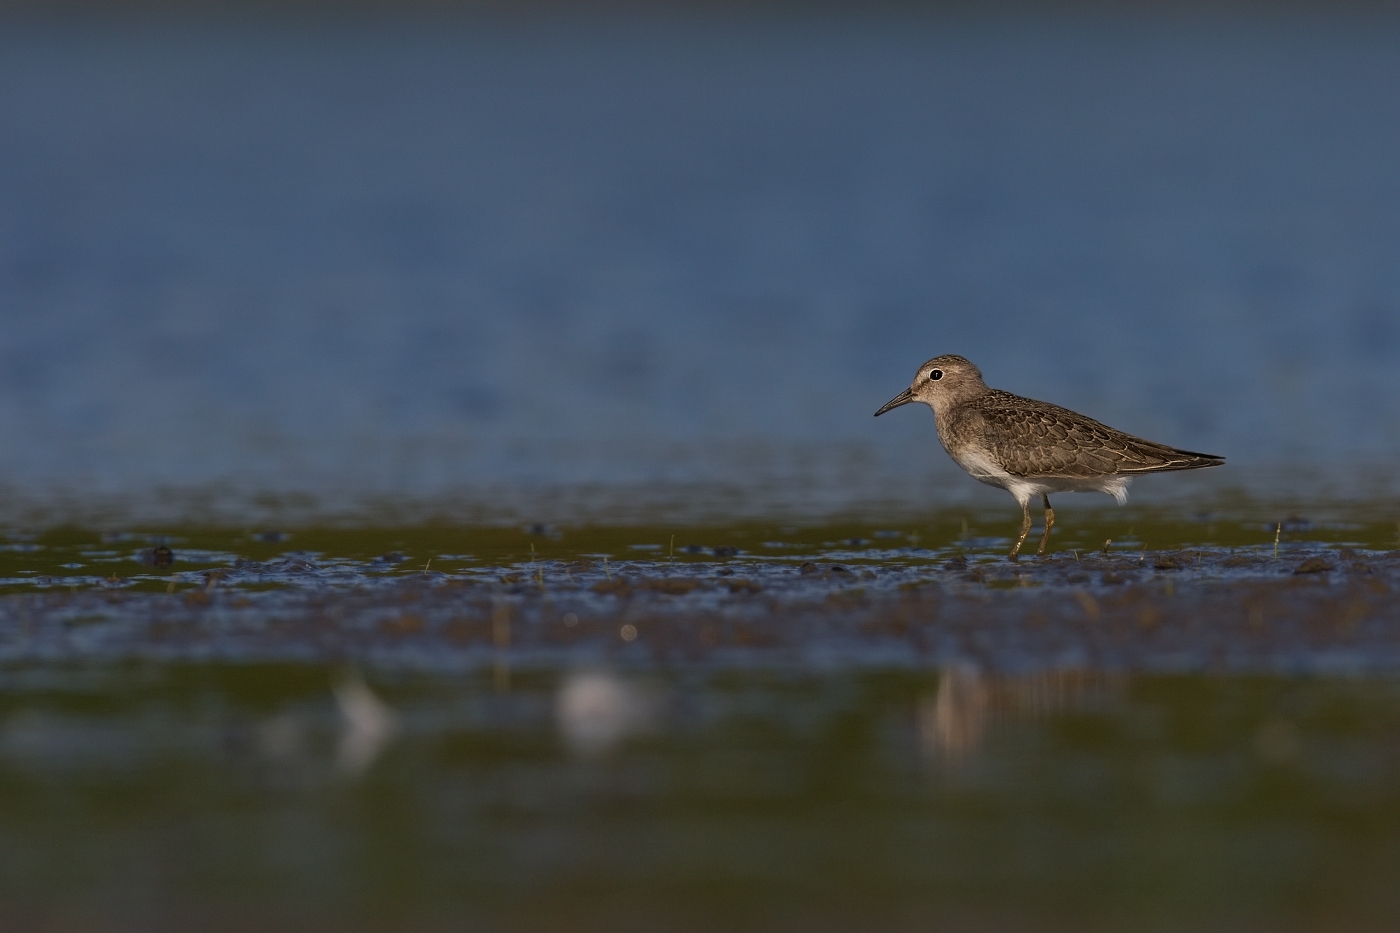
[[903, 398]]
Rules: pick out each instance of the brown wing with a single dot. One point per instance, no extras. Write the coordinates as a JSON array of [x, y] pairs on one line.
[[1031, 438]]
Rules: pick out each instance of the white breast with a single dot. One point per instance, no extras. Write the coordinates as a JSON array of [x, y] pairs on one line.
[[982, 468]]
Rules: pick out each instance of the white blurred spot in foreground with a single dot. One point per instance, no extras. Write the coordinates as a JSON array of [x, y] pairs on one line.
[[368, 724], [951, 723], [598, 710], [954, 722]]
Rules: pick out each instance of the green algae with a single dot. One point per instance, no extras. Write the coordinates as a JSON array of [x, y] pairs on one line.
[[71, 556]]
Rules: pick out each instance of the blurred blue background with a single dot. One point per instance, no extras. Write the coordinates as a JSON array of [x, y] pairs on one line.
[[432, 255]]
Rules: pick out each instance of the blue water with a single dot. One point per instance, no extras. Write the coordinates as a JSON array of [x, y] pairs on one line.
[[472, 257]]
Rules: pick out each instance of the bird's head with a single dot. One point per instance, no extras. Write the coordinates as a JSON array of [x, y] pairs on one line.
[[939, 383]]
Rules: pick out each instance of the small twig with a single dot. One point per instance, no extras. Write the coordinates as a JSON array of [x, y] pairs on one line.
[[1278, 530], [534, 565]]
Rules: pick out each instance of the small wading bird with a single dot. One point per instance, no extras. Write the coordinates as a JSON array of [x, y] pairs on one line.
[[1032, 448]]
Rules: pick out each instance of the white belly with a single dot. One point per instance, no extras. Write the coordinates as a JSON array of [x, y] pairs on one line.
[[1024, 488]]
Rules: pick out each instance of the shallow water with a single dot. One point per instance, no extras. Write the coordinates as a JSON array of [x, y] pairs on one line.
[[418, 258], [1119, 590]]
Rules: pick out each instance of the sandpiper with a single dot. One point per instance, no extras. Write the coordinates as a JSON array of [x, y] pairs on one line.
[[1032, 448]]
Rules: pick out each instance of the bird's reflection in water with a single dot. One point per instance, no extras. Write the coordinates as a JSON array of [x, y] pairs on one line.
[[954, 721]]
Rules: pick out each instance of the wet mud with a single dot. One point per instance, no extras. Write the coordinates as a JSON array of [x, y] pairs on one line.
[[1294, 606]]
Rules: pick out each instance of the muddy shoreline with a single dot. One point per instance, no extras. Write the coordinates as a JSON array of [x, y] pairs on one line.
[[1313, 609]]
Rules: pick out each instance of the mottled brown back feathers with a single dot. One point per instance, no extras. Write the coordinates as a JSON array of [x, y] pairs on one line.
[[1030, 438]]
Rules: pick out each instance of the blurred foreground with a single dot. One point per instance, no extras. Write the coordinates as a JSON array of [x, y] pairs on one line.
[[233, 797], [753, 726]]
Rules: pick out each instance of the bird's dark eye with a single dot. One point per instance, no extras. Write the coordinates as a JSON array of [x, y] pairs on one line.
[[935, 375]]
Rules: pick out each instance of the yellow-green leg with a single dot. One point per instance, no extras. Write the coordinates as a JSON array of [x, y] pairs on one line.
[[1025, 528], [1049, 522]]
